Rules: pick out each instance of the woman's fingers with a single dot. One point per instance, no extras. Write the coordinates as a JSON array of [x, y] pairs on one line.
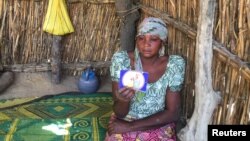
[[122, 90], [110, 130], [127, 92], [111, 127]]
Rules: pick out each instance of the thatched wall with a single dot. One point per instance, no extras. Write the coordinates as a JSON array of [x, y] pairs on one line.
[[25, 47]]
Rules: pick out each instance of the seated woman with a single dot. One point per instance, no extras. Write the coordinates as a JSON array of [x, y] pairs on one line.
[[150, 115]]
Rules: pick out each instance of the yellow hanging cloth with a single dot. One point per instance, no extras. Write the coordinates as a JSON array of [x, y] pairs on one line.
[[57, 21]]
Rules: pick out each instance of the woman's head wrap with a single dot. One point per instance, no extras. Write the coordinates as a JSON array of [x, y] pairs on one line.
[[154, 26]]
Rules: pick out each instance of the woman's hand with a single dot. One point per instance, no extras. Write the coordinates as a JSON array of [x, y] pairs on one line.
[[117, 126], [125, 94]]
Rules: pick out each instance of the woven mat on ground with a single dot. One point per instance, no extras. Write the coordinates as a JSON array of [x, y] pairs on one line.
[[69, 116]]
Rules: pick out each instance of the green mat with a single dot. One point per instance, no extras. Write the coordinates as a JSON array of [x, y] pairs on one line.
[[69, 116]]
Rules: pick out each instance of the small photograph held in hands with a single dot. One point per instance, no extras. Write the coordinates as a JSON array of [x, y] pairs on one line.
[[133, 79]]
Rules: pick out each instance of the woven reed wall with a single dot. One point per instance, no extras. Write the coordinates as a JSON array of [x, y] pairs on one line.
[[231, 52], [25, 47]]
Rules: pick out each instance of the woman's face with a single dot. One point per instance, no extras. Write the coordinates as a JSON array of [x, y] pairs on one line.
[[148, 45]]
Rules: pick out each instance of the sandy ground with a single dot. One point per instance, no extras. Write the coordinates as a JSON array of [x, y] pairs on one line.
[[40, 84]]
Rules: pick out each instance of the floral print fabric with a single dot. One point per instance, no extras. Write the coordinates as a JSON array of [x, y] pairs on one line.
[[153, 101], [165, 133]]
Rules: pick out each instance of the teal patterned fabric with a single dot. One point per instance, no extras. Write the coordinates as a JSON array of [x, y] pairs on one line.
[[153, 101]]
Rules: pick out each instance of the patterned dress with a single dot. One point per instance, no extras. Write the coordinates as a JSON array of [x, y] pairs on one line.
[[152, 101]]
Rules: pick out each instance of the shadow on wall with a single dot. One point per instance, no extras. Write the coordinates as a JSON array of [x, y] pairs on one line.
[[6, 79]]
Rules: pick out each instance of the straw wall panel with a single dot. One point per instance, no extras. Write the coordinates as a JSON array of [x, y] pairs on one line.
[[24, 42], [234, 87], [22, 37], [232, 27], [96, 33]]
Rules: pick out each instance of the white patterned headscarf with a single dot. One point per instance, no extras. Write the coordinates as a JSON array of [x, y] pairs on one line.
[[153, 26]]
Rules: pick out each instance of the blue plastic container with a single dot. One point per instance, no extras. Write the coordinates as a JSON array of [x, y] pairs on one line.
[[88, 82]]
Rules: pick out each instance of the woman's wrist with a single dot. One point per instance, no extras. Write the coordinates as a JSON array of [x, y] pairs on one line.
[[132, 126]]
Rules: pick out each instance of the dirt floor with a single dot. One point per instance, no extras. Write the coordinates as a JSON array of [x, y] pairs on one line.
[[40, 84]]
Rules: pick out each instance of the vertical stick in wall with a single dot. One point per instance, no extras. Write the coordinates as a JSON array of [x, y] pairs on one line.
[[56, 59]]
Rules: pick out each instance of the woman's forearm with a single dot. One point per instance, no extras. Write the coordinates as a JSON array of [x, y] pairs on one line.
[[155, 121], [121, 108], [122, 98]]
